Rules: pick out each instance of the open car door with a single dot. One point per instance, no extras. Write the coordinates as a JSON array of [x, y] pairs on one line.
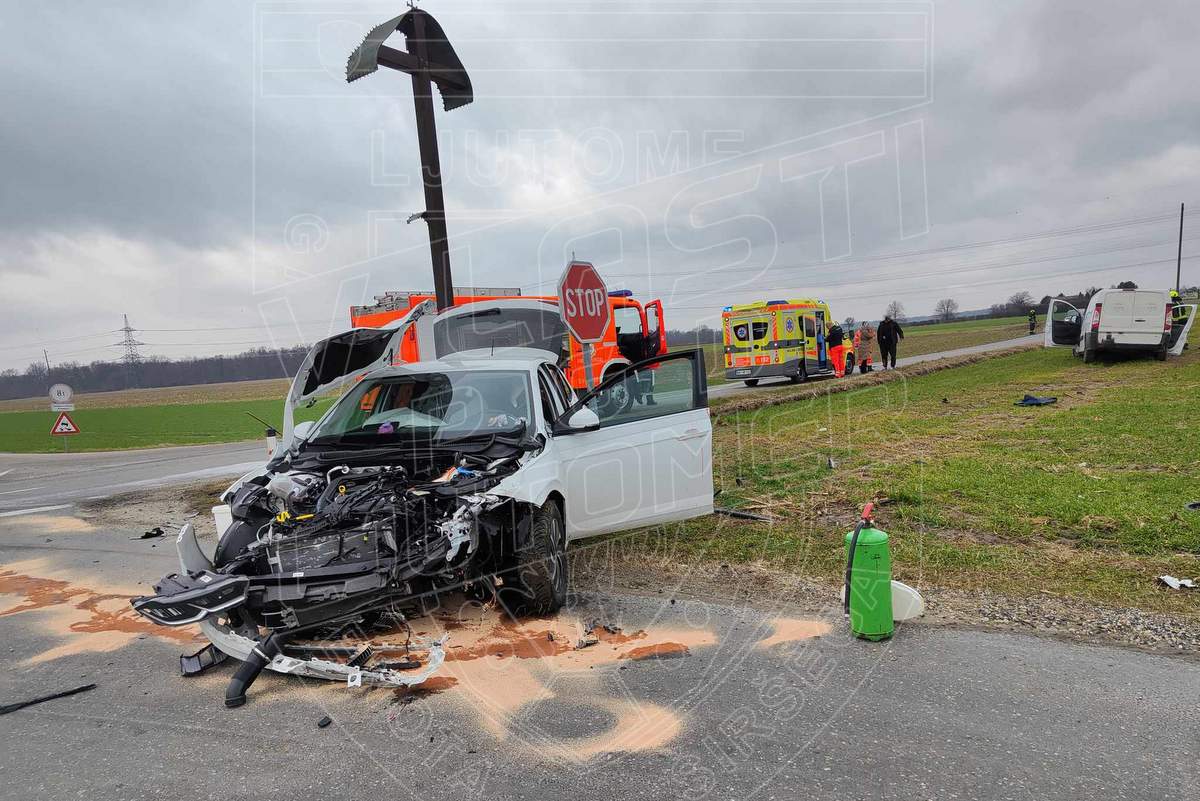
[[645, 464], [1064, 324], [1179, 332], [340, 359]]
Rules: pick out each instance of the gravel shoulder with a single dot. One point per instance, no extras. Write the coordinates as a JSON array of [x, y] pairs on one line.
[[638, 565]]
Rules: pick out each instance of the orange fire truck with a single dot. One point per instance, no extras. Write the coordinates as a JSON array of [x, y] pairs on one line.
[[635, 332]]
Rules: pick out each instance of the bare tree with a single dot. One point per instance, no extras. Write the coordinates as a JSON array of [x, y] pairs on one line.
[[946, 309], [849, 323], [895, 310], [1020, 302]]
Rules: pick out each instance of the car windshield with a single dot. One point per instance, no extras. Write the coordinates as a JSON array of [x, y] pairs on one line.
[[446, 405]]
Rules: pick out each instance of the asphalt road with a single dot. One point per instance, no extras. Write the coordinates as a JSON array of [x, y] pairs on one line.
[[748, 708], [44, 480], [47, 482], [737, 387]]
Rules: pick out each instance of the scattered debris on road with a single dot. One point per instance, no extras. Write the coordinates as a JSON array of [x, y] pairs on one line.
[[6, 708], [739, 515], [150, 534], [207, 657], [1177, 583], [324, 722]]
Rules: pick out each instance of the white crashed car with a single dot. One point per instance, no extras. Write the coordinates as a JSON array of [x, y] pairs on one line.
[[470, 473]]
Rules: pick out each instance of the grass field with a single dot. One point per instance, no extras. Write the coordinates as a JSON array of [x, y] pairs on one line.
[[1085, 498], [121, 427], [918, 340], [265, 389]]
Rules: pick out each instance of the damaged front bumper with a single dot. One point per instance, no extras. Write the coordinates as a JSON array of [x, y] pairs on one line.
[[199, 595]]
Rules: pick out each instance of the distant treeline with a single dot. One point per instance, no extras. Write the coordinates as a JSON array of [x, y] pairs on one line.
[[264, 363], [152, 372]]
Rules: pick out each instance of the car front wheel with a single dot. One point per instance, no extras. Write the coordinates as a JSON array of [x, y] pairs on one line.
[[537, 582]]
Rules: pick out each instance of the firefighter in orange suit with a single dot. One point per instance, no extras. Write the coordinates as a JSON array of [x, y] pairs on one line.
[[835, 340]]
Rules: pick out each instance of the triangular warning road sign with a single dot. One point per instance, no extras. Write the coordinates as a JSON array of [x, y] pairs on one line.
[[64, 425]]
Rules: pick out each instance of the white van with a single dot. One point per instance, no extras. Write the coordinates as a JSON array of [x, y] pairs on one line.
[[1144, 320]]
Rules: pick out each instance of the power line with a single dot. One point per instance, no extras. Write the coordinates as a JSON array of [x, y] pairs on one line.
[[945, 272], [866, 260], [60, 340], [857, 292]]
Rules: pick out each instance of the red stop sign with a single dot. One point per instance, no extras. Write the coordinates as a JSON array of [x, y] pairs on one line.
[[583, 302]]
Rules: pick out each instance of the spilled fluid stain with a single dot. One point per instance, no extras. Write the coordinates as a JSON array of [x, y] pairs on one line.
[[500, 670], [88, 619], [662, 650], [790, 629]]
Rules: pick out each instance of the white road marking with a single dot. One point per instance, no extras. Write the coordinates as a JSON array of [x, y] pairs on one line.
[[6, 472], [35, 510], [27, 489]]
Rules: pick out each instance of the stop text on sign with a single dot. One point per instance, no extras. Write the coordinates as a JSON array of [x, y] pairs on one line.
[[588, 302]]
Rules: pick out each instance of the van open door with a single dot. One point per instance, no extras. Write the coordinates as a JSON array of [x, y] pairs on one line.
[[1179, 333], [1064, 324]]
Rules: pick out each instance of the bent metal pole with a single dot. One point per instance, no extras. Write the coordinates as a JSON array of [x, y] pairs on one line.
[[429, 60]]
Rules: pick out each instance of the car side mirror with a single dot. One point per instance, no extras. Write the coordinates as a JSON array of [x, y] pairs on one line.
[[301, 430], [584, 419]]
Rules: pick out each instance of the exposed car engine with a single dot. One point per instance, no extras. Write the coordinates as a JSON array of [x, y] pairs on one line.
[[331, 540]]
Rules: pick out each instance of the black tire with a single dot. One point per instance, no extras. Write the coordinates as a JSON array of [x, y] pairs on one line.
[[537, 583], [1161, 354], [1089, 355], [849, 364], [618, 399], [751, 382], [800, 376]]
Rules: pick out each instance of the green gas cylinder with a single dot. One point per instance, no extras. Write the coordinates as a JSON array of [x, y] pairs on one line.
[[868, 583]]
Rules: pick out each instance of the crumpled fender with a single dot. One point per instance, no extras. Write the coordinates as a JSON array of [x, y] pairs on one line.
[[191, 557], [531, 483]]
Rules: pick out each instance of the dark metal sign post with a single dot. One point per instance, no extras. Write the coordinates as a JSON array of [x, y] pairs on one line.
[[430, 60]]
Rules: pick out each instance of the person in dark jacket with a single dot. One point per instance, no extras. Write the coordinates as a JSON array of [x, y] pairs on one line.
[[889, 333]]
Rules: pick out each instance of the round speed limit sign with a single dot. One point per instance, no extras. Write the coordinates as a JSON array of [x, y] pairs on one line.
[[61, 393]]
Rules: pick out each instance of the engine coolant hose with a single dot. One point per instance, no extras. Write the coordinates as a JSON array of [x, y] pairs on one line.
[[266, 650], [863, 522]]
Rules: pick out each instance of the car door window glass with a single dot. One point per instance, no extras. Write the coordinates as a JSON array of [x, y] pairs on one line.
[[627, 319], [670, 387], [759, 329], [564, 389], [550, 410]]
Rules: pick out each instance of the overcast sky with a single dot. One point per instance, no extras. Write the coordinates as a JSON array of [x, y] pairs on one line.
[[205, 169]]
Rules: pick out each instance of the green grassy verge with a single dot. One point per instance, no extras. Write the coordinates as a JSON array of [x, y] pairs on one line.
[[1084, 499], [145, 426]]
